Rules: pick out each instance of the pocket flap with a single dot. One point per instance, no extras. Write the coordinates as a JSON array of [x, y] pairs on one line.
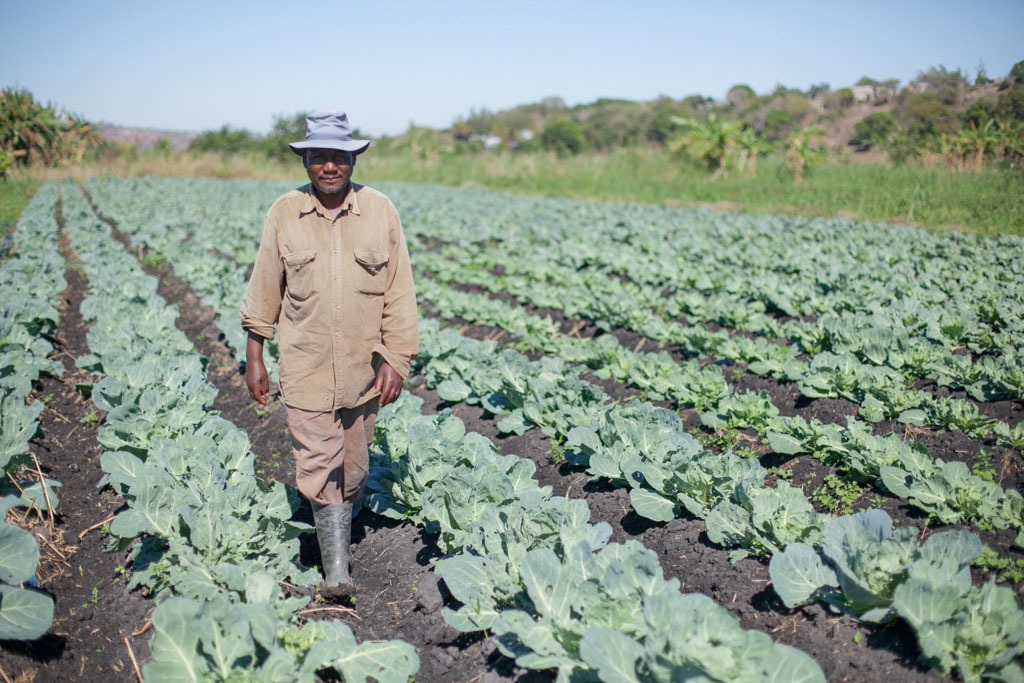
[[298, 259], [370, 259]]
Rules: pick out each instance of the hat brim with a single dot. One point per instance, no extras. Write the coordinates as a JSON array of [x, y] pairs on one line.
[[354, 146]]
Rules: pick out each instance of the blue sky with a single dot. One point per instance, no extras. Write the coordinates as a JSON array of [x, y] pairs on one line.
[[187, 65]]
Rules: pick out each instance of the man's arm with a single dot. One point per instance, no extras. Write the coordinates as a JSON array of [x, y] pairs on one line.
[[399, 328], [256, 376]]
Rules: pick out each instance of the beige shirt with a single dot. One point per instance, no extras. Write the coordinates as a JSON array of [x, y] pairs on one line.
[[340, 293]]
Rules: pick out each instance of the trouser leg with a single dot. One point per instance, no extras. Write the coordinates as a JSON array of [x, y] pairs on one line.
[[331, 452]]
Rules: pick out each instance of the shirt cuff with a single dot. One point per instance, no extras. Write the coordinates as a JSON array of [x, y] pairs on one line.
[[399, 363], [262, 329]]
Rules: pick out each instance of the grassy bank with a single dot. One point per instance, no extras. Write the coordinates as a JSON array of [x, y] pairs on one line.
[[14, 195], [987, 203]]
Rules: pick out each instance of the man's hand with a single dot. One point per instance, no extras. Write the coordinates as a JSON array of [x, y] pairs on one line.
[[256, 376], [388, 384]]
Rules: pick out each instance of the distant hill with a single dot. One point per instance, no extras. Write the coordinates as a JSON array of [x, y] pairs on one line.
[[145, 138]]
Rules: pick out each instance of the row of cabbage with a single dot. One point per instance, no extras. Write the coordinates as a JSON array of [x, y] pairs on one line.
[[529, 568], [890, 295], [948, 491], [31, 280], [771, 518], [861, 370], [210, 539]]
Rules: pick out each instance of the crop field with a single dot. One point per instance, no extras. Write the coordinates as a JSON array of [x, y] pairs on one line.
[[640, 444]]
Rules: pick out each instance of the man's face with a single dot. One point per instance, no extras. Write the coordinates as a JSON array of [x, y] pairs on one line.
[[329, 169]]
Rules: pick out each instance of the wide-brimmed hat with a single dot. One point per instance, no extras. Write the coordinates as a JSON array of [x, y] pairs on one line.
[[329, 130]]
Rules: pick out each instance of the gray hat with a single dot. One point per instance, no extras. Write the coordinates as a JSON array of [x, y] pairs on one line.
[[329, 130]]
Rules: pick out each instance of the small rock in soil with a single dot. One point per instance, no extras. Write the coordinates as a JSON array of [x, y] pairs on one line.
[[429, 594]]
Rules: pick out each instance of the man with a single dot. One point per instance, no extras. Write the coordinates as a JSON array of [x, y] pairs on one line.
[[333, 274]]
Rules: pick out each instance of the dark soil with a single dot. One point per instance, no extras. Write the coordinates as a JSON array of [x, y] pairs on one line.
[[100, 625]]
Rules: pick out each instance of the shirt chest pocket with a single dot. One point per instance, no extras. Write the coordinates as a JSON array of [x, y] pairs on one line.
[[371, 272], [300, 280]]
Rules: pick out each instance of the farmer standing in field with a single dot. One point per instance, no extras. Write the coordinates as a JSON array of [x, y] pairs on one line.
[[333, 274]]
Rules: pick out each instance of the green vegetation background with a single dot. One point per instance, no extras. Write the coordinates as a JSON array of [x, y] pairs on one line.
[[945, 153], [990, 202]]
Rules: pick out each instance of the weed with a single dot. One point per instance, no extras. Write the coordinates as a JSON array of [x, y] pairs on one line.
[[982, 467], [781, 473], [1003, 568], [92, 419], [837, 495], [153, 258], [721, 440], [260, 411], [557, 453]]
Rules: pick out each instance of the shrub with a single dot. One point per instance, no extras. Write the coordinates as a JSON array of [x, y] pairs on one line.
[[563, 136], [874, 130]]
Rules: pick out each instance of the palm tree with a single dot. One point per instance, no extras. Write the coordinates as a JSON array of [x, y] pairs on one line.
[[722, 145], [804, 150]]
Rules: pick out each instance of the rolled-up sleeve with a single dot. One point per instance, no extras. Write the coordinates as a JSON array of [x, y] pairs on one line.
[[261, 306], [399, 329]]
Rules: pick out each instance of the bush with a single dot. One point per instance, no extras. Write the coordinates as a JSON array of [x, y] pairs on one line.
[[838, 100], [1010, 106], [980, 111], [874, 130], [925, 117], [563, 136]]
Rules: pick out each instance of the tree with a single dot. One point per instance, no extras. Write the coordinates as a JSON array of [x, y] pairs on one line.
[[817, 89], [721, 145], [874, 130], [285, 129], [924, 117], [35, 134], [946, 86], [225, 141], [1016, 76], [563, 136], [804, 151], [740, 97]]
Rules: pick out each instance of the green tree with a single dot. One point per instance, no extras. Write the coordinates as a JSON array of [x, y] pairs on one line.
[[721, 145], [925, 117], [741, 97], [817, 89], [1010, 105], [226, 141], [563, 136], [804, 151], [946, 86], [35, 134], [874, 130], [285, 129], [1016, 76]]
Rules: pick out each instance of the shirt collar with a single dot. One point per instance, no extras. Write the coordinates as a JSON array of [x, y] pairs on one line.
[[313, 204]]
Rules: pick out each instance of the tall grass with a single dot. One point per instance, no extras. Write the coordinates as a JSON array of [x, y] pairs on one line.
[[931, 197]]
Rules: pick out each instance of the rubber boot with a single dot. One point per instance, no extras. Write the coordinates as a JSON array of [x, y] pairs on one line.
[[334, 534]]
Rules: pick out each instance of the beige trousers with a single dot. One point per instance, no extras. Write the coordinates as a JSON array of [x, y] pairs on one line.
[[331, 451]]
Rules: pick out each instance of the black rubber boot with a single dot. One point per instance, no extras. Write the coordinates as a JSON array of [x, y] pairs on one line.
[[334, 534]]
